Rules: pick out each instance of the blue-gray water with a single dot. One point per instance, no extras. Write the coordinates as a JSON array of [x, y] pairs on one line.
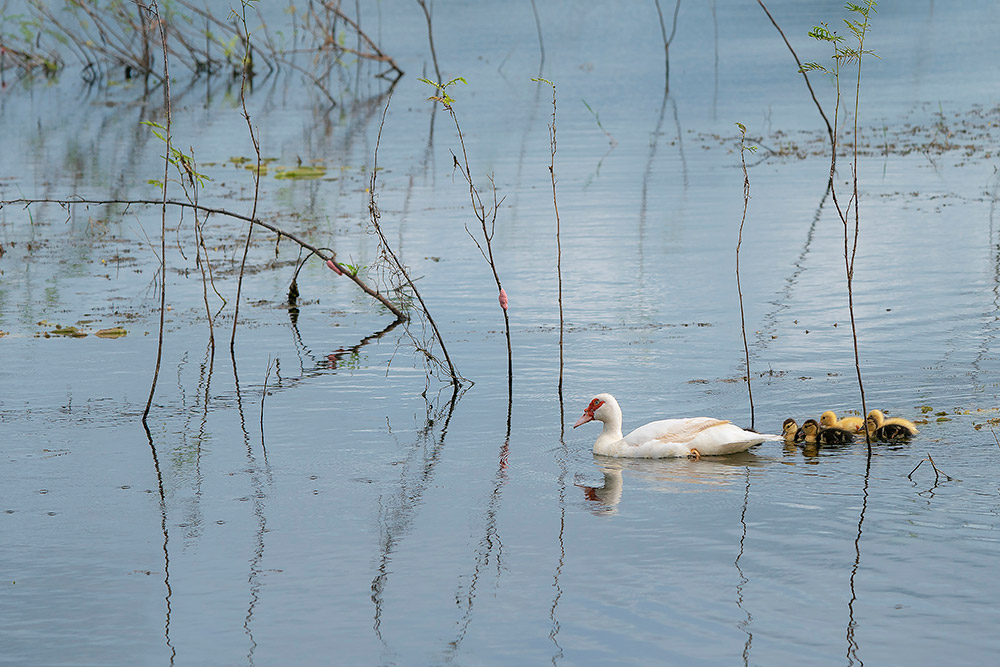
[[373, 520]]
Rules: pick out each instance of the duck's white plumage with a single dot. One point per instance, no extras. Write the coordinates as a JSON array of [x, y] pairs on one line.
[[697, 436]]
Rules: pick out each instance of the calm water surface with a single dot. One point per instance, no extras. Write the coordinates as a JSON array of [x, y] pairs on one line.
[[356, 512]]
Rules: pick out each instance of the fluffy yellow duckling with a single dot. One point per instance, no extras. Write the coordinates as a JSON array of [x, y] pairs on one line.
[[829, 420], [825, 436], [791, 431], [894, 428]]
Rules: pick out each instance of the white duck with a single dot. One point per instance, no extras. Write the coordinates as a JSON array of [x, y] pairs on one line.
[[696, 436]]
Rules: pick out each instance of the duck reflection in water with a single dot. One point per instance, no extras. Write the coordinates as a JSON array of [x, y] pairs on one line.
[[663, 475], [605, 498]]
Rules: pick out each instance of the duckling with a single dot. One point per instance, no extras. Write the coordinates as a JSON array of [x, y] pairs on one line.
[[825, 436], [892, 432], [791, 431], [829, 420], [894, 428]]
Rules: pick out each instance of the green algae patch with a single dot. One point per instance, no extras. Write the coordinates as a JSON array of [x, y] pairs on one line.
[[303, 173], [113, 332], [67, 332]]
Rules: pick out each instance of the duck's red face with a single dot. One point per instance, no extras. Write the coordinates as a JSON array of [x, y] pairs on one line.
[[588, 414]]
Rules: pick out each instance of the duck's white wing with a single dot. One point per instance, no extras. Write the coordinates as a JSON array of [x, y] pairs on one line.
[[665, 438], [679, 431], [677, 437]]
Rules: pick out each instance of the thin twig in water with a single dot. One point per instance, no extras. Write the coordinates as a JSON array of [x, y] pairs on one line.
[[246, 64], [937, 473], [739, 242], [263, 395], [857, 223], [375, 215], [846, 54], [555, 205], [155, 11], [487, 218], [201, 259]]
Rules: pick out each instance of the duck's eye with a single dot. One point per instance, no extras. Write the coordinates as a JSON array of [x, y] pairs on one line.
[[594, 404]]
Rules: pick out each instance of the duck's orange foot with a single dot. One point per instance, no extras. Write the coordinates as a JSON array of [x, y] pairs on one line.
[[695, 454]]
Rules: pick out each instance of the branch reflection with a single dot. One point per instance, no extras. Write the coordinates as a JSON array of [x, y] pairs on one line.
[[490, 545], [397, 511], [258, 497], [312, 365], [166, 541], [745, 624], [563, 461], [852, 643], [769, 323]]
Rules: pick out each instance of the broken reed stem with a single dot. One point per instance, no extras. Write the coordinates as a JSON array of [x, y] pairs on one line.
[[256, 173], [739, 242], [324, 254], [375, 215], [154, 9]]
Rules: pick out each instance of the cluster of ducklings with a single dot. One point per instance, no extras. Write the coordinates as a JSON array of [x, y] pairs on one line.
[[832, 431]]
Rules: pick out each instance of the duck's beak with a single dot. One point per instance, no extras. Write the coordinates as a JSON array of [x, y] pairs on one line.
[[587, 416]]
